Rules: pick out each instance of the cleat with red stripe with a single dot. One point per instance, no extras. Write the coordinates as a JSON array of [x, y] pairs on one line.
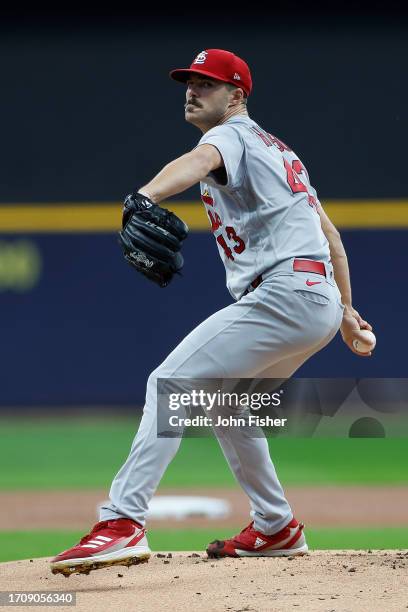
[[115, 542], [252, 543]]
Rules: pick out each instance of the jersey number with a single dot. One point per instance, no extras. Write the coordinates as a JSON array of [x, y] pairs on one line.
[[239, 243], [294, 181], [216, 223]]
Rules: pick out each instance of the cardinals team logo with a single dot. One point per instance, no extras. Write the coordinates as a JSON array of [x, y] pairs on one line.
[[206, 198], [201, 57]]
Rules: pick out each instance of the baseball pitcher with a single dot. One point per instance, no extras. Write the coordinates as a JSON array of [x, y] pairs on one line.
[[286, 270]]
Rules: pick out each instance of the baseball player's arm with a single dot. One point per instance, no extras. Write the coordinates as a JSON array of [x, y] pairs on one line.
[[182, 173], [352, 321]]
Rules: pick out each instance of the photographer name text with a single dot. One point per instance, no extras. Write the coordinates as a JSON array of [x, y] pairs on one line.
[[253, 420]]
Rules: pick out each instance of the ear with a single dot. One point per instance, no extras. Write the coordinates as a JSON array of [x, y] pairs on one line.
[[237, 96]]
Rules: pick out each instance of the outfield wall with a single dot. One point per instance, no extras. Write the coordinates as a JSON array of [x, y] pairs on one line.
[[79, 326]]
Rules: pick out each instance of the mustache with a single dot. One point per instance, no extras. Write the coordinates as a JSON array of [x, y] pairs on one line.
[[193, 103]]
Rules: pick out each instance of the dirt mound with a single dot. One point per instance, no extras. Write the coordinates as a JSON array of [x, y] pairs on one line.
[[326, 581]]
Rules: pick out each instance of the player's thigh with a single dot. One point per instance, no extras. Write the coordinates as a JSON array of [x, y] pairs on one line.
[[218, 347], [243, 339], [285, 368]]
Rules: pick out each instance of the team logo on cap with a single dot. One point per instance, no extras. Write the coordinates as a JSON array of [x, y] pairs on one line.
[[201, 57], [237, 77]]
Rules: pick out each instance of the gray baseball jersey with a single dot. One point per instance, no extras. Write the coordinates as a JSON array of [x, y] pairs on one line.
[[262, 208]]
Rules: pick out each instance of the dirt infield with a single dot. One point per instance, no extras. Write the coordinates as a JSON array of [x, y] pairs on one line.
[[341, 581], [315, 506]]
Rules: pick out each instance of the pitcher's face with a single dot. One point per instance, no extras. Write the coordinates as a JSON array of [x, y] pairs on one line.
[[207, 101]]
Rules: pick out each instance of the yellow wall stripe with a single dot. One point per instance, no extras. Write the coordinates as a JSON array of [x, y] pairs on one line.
[[106, 217]]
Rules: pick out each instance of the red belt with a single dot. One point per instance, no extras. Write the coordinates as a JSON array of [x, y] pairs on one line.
[[308, 265], [299, 265]]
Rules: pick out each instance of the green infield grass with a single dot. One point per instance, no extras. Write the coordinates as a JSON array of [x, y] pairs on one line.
[[85, 453], [30, 544]]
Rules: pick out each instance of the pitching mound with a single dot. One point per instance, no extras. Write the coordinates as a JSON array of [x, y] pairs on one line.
[[337, 581]]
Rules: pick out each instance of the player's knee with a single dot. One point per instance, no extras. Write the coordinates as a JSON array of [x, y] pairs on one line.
[[161, 372], [156, 378]]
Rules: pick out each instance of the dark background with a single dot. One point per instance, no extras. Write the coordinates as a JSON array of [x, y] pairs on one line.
[[88, 113]]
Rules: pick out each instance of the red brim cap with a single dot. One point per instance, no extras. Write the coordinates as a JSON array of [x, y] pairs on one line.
[[183, 74], [220, 65]]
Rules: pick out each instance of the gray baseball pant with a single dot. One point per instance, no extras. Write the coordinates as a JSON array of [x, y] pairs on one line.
[[268, 333]]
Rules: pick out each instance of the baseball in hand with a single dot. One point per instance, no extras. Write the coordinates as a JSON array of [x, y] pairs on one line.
[[366, 345]]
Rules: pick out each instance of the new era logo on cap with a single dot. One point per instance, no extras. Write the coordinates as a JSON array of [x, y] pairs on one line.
[[218, 64]]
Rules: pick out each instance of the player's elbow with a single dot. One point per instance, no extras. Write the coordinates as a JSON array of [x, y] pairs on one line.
[[333, 234], [336, 244], [329, 229]]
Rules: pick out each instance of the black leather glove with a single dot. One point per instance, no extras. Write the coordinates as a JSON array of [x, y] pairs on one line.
[[151, 239]]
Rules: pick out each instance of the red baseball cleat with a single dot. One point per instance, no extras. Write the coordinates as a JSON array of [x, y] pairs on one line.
[[115, 542], [251, 543]]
